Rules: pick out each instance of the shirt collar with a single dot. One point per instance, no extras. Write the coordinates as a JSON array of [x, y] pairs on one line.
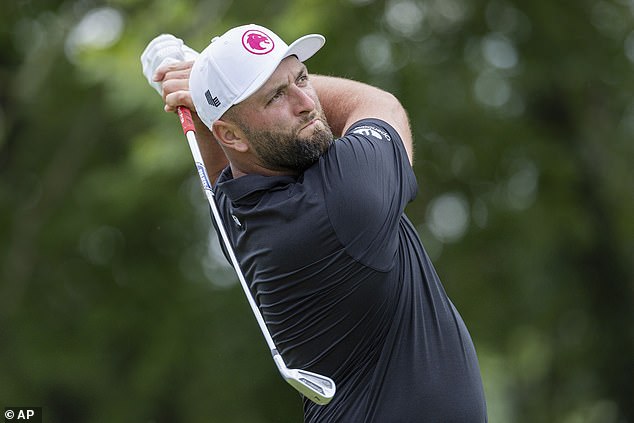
[[250, 186]]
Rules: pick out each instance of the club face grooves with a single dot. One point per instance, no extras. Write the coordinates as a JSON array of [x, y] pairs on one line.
[[318, 394], [312, 385], [315, 387]]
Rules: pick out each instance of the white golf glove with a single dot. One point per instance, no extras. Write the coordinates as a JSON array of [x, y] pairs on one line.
[[163, 50]]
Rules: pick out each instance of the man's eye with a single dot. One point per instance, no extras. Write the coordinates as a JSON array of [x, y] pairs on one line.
[[302, 79], [276, 96]]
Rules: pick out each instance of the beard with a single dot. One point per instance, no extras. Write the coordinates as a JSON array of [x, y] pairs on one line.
[[284, 151]]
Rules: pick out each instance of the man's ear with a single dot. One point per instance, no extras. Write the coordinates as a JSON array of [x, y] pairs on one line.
[[230, 136]]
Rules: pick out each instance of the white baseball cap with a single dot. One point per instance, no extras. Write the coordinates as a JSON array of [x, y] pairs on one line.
[[236, 64]]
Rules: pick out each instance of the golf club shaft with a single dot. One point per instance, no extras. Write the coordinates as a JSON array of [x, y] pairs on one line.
[[319, 389], [189, 129]]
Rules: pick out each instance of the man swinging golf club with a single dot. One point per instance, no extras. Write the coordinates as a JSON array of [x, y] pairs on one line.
[[311, 176]]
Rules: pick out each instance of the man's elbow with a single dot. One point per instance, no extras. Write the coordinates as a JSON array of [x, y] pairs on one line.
[[400, 121]]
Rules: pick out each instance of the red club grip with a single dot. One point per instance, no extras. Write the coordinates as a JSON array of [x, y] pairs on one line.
[[185, 116]]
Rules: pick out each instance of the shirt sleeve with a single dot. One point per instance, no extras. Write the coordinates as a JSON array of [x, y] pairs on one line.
[[368, 183]]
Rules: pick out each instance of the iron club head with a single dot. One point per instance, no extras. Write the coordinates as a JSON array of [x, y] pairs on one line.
[[317, 388]]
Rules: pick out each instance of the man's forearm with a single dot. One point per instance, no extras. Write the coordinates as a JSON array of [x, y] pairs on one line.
[[339, 99], [346, 101]]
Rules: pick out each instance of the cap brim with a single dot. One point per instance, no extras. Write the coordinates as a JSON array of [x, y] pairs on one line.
[[304, 48]]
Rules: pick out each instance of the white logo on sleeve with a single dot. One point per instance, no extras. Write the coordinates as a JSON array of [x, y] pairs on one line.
[[372, 131]]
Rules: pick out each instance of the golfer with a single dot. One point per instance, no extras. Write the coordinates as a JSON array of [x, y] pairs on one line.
[[312, 175]]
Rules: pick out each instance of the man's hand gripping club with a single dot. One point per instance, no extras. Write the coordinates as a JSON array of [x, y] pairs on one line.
[[167, 63]]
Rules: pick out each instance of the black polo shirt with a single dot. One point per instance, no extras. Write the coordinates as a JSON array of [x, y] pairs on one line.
[[346, 287]]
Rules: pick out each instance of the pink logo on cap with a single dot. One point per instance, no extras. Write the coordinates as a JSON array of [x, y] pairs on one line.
[[257, 42]]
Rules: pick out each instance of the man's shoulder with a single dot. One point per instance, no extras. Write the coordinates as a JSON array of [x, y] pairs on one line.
[[374, 129]]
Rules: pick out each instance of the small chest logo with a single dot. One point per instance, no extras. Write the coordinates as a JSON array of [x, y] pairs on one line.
[[236, 221], [257, 42]]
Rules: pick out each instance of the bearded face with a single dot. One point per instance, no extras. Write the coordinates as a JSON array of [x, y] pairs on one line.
[[296, 149]]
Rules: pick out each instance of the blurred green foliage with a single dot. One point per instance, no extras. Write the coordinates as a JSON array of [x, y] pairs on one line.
[[115, 305]]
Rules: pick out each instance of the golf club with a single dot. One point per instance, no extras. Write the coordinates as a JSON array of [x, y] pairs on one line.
[[317, 388]]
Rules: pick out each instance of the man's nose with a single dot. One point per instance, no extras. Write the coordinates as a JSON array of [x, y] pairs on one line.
[[302, 102]]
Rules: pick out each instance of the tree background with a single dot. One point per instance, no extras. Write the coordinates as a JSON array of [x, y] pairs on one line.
[[115, 305]]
